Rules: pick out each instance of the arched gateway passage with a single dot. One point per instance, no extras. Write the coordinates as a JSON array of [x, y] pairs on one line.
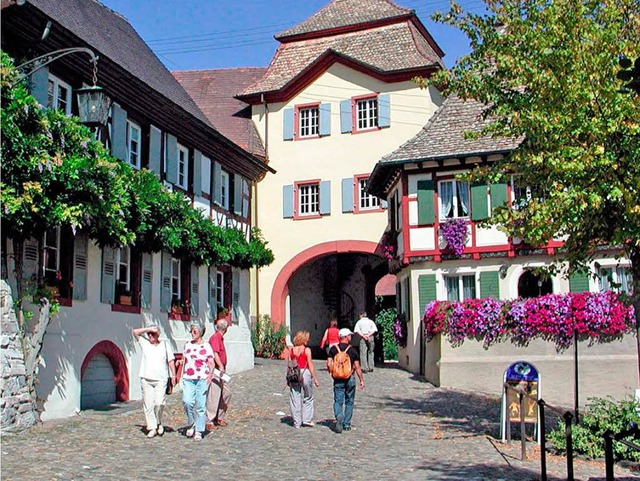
[[333, 278]]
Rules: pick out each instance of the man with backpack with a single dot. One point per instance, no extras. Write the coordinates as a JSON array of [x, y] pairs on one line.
[[342, 363]]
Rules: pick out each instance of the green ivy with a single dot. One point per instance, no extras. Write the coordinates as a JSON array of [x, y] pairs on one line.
[[385, 319], [600, 415]]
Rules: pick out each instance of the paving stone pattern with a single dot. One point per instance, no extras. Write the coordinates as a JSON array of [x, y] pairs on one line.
[[403, 429]]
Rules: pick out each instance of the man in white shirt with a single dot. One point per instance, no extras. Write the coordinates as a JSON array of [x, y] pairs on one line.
[[367, 330]]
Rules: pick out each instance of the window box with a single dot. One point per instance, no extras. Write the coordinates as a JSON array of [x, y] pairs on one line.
[[125, 300]]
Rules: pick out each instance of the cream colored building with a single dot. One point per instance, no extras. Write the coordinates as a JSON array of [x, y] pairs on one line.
[[336, 97]]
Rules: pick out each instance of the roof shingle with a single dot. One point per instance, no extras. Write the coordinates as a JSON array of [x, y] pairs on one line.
[[111, 35], [343, 13], [214, 90], [387, 48]]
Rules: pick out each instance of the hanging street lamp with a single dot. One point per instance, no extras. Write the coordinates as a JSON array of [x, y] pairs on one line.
[[93, 102]]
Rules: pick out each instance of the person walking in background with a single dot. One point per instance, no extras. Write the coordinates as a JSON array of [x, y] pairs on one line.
[[330, 337], [301, 395], [156, 369], [219, 391], [366, 329], [344, 357], [196, 377]]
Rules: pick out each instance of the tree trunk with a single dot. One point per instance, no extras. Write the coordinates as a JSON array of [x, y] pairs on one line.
[[34, 341], [634, 257]]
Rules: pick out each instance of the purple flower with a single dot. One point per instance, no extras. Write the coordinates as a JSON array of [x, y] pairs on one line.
[[454, 232]]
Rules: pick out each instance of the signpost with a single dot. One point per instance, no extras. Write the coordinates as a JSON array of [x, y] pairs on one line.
[[524, 376]]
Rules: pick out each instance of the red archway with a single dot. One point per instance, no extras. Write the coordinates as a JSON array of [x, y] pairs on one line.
[[281, 285], [118, 362]]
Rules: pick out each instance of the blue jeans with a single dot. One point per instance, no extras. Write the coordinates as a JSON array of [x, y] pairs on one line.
[[344, 393], [194, 394]]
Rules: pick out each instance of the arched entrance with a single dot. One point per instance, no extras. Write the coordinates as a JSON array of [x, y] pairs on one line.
[[104, 376], [332, 279], [532, 285]]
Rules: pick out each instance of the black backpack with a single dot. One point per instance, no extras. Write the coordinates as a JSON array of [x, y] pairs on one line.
[[294, 375]]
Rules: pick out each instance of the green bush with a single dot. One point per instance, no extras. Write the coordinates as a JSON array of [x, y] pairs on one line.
[[385, 319], [267, 341], [600, 415]]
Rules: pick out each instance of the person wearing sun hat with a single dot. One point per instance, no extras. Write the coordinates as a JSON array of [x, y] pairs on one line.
[[344, 390], [196, 378]]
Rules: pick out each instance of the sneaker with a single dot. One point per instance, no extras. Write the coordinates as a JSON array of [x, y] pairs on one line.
[[160, 429], [297, 427], [339, 423], [197, 436], [346, 428], [190, 432], [309, 424], [152, 433]]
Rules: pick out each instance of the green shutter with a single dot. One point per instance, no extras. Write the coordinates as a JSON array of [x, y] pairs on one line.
[[490, 284], [479, 209], [498, 195], [579, 282], [426, 208], [426, 290]]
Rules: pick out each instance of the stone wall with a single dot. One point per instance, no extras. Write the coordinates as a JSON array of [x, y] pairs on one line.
[[17, 409]]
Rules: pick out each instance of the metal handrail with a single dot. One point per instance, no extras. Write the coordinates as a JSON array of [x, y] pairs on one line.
[[568, 420], [609, 438]]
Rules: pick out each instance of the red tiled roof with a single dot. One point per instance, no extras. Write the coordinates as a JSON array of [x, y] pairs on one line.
[[386, 286], [443, 137], [385, 49], [343, 13], [213, 91]]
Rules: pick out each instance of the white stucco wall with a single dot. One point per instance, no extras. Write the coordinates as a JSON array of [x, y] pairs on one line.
[[77, 329], [333, 158]]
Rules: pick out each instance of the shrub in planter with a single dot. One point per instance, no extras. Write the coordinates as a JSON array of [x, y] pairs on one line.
[[600, 415], [268, 341], [386, 319]]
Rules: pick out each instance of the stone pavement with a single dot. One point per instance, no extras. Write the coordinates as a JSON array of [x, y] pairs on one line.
[[404, 429]]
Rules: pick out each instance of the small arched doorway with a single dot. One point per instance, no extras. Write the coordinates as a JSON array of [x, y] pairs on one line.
[[104, 376], [532, 285]]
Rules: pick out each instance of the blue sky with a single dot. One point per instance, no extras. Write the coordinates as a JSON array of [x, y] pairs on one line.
[[239, 33]]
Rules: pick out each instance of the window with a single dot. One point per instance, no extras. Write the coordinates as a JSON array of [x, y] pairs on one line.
[[59, 95], [366, 201], [454, 199], [309, 199], [618, 279], [224, 189], [220, 278], [460, 288], [123, 271], [523, 194], [176, 287], [309, 122], [133, 144], [366, 114], [51, 259], [183, 166]]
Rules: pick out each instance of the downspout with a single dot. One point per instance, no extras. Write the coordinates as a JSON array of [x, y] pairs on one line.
[[256, 223]]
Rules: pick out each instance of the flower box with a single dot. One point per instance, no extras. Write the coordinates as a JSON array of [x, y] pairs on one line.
[[125, 300]]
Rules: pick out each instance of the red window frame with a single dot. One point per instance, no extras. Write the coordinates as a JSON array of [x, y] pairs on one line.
[[296, 200], [354, 113], [356, 196], [296, 121]]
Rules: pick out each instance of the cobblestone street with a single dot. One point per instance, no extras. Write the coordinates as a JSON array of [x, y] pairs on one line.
[[404, 429]]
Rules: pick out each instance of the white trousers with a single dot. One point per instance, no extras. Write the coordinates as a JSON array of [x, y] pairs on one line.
[[153, 400], [301, 400]]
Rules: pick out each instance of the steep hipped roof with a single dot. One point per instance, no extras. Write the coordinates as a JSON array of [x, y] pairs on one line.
[[385, 49], [213, 92], [111, 35], [441, 138], [343, 13]]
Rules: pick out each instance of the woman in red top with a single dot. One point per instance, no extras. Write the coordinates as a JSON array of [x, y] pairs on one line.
[[301, 397], [330, 336]]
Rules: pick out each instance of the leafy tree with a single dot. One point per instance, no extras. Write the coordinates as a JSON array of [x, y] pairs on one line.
[[547, 72]]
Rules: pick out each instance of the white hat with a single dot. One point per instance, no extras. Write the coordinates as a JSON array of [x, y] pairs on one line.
[[344, 332]]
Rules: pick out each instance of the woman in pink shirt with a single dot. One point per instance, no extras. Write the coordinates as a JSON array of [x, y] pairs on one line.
[[196, 377]]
